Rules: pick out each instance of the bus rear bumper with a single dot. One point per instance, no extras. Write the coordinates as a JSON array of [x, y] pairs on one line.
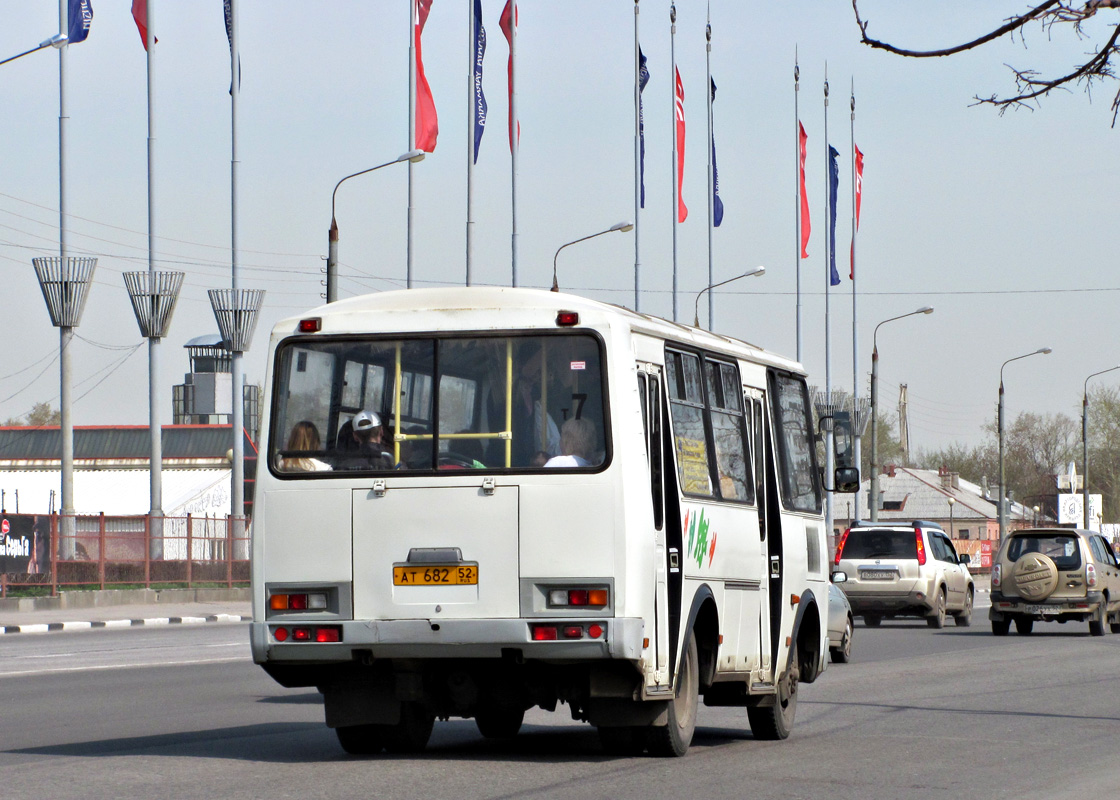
[[621, 638]]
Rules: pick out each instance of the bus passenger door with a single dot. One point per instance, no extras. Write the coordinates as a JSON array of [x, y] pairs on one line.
[[649, 384], [768, 526]]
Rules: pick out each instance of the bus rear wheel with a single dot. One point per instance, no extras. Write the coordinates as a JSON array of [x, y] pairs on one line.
[[674, 739], [775, 719]]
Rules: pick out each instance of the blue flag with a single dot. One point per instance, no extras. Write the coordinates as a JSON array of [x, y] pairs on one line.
[[479, 36], [717, 204], [833, 185], [643, 79], [79, 18]]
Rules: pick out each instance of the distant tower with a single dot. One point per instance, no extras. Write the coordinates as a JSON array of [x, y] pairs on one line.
[[903, 425], [205, 396]]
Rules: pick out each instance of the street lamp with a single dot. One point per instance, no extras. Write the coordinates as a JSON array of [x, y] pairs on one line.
[[412, 156], [56, 41], [1085, 447], [952, 502], [873, 494], [696, 311], [621, 227], [1045, 351], [1036, 509]]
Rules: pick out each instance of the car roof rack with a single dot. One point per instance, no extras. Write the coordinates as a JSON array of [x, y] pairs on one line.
[[927, 523], [897, 523]]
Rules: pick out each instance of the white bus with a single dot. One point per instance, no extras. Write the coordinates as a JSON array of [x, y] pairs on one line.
[[481, 500]]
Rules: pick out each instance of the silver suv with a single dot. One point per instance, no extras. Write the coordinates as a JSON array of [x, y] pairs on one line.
[[1057, 574], [905, 570]]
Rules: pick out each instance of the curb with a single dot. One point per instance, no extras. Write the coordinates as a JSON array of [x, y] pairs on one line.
[[51, 627]]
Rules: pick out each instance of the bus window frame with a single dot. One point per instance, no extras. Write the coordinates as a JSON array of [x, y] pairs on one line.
[[277, 413], [784, 466]]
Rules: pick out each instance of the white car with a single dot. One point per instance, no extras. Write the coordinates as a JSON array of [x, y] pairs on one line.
[[840, 621]]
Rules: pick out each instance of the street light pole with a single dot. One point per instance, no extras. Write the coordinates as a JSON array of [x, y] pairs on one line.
[[1085, 448], [56, 41], [999, 424], [873, 492], [952, 502], [621, 227], [759, 271], [412, 156]]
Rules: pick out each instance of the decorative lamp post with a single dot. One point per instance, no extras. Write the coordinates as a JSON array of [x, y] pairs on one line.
[[952, 502], [1002, 486], [65, 284], [873, 492]]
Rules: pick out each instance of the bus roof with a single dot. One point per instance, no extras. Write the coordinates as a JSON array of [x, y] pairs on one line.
[[466, 308]]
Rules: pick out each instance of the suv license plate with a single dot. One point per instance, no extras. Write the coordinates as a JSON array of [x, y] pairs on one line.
[[436, 575], [878, 575], [1043, 610]]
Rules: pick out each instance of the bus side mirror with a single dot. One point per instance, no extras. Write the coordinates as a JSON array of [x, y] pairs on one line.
[[845, 476]]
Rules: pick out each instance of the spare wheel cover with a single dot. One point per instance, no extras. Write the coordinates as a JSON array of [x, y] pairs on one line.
[[1036, 576]]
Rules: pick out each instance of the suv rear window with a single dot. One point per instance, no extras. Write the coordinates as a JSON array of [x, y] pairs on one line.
[[876, 543], [1061, 548]]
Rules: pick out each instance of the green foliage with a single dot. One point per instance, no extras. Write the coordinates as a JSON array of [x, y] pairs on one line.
[[40, 414]]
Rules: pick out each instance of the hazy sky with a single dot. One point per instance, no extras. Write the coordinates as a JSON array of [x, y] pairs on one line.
[[1001, 223]]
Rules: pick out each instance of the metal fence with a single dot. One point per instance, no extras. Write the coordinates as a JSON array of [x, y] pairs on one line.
[[136, 551]]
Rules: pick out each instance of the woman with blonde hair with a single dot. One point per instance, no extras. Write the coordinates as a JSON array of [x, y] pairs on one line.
[[304, 438]]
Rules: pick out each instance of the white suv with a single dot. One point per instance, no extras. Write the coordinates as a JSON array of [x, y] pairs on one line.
[[905, 570]]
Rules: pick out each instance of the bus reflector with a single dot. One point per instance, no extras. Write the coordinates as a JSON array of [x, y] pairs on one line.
[[332, 634], [544, 633], [566, 318], [280, 634], [311, 325], [595, 631]]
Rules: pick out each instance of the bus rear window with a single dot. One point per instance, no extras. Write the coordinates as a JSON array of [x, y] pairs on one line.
[[439, 403]]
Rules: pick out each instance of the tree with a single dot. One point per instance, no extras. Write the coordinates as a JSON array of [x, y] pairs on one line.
[[40, 414], [1031, 85], [1104, 448]]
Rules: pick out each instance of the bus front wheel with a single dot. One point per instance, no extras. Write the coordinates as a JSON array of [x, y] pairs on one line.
[[674, 739]]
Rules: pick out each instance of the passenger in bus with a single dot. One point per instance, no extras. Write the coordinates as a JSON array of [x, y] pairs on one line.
[[304, 438], [539, 459], [531, 428], [577, 444], [365, 448]]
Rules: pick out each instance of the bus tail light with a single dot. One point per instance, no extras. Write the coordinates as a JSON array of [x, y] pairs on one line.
[[597, 598], [573, 631], [304, 601], [311, 325], [544, 633], [324, 634], [567, 318]]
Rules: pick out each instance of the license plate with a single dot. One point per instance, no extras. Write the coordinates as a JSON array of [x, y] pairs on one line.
[[878, 575], [436, 575], [1043, 610]]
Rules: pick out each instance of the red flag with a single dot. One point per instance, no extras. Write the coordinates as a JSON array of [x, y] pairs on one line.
[[508, 22], [682, 211], [859, 202], [140, 14], [427, 125], [806, 227]]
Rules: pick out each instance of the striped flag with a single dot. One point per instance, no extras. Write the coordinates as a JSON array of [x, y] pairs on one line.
[[806, 227], [507, 22], [140, 15], [427, 125], [859, 202], [478, 36], [79, 18], [717, 204], [833, 188], [682, 210]]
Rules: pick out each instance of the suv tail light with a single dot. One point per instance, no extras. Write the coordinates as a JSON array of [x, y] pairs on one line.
[[840, 545], [1090, 575], [997, 576], [921, 546]]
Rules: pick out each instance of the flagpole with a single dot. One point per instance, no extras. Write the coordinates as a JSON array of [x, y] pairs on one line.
[[828, 454], [66, 333], [472, 115], [413, 19], [637, 163], [236, 367], [514, 137], [676, 188], [155, 431], [797, 190], [711, 178], [857, 429]]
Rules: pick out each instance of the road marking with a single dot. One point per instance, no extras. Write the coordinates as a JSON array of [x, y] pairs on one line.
[[186, 663]]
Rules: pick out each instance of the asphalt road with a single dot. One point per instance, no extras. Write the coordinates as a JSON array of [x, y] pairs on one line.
[[182, 713]]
